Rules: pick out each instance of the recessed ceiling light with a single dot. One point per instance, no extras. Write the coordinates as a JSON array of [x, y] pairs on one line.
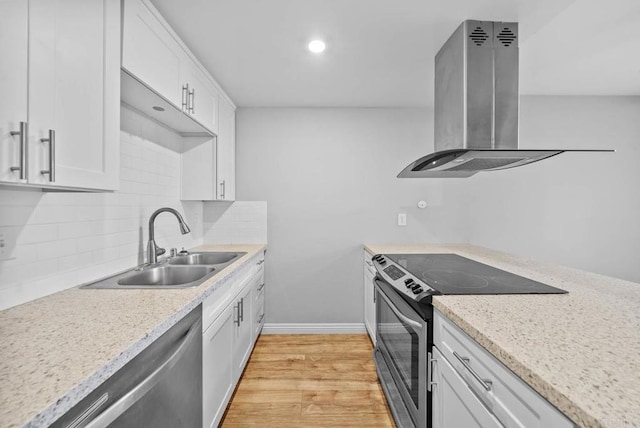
[[316, 46]]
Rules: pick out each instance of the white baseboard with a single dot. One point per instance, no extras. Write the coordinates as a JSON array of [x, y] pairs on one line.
[[328, 328]]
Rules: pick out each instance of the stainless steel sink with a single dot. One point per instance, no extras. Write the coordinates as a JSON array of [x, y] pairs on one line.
[[167, 275], [177, 272], [204, 258]]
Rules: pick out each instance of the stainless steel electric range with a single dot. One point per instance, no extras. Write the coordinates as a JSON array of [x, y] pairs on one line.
[[404, 287]]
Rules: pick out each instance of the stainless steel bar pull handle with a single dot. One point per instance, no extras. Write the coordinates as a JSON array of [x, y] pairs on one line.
[[237, 308], [52, 156], [400, 316], [242, 309], [261, 287], [432, 362], [222, 188], [185, 97], [192, 96], [486, 383], [23, 133]]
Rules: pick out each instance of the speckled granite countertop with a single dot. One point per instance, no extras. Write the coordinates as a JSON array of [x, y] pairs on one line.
[[581, 351], [57, 349]]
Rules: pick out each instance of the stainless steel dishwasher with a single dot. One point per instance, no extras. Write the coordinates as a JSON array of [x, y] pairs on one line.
[[160, 387]]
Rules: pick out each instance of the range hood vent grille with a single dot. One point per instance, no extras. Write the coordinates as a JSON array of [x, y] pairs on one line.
[[479, 36], [506, 37]]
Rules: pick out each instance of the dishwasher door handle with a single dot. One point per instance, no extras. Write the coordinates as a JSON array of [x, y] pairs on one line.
[[140, 390]]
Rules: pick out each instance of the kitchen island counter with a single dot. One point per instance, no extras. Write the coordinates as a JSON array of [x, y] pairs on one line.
[[580, 351], [57, 349]]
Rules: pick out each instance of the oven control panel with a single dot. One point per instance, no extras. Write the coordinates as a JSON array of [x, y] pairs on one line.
[[400, 279]]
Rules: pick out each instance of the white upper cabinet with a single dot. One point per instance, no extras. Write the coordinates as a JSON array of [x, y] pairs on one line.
[[156, 57], [226, 152], [74, 103], [199, 96], [72, 107], [149, 51], [14, 38], [163, 80], [209, 167]]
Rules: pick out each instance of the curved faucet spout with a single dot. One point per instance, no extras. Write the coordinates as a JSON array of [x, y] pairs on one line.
[[152, 250]]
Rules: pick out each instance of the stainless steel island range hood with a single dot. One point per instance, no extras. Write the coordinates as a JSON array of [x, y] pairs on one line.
[[476, 105]]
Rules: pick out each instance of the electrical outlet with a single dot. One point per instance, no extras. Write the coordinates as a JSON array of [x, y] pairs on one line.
[[402, 219]]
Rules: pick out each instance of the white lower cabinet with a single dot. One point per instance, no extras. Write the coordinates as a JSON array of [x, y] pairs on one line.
[[243, 333], [258, 306], [453, 402], [474, 389], [217, 371], [369, 297], [229, 335]]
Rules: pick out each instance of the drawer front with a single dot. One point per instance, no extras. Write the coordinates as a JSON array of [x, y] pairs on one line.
[[511, 400], [213, 306]]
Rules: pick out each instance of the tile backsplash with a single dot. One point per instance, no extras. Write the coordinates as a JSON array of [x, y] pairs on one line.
[[239, 222], [59, 240]]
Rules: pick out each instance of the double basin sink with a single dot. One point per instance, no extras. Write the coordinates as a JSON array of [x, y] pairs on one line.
[[182, 271]]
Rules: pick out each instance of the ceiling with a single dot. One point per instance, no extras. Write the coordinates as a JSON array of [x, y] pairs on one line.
[[380, 52]]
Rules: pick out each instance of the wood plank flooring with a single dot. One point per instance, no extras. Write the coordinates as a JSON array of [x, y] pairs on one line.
[[309, 381]]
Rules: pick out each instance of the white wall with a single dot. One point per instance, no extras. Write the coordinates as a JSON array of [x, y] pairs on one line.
[[576, 209], [65, 239], [328, 176]]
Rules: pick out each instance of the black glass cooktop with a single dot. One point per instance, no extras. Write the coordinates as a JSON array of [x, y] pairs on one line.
[[454, 274]]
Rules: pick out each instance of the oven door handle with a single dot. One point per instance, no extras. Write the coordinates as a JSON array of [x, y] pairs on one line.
[[409, 321]]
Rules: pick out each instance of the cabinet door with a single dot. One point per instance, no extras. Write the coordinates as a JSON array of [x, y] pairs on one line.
[[14, 27], [150, 53], [453, 403], [369, 299], [202, 101], [226, 152], [243, 331], [217, 367], [258, 305], [74, 85]]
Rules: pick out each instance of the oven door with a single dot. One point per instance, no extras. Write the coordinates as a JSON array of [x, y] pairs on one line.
[[402, 341]]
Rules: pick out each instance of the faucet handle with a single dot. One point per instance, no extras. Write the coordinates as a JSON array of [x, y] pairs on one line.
[[160, 251]]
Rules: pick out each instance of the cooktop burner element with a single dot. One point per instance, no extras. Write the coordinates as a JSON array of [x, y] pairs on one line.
[[419, 276]]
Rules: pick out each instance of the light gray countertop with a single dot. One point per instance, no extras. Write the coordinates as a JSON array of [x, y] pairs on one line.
[[581, 351], [57, 349]]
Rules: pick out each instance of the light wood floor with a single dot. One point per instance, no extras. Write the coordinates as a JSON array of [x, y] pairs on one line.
[[309, 381]]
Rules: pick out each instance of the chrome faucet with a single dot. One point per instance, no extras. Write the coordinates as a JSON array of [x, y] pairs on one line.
[[152, 249]]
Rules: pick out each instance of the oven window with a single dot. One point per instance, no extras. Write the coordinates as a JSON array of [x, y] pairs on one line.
[[402, 344]]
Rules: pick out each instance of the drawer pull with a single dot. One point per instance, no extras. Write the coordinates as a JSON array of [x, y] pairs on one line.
[[260, 262], [261, 318], [261, 287], [486, 383]]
